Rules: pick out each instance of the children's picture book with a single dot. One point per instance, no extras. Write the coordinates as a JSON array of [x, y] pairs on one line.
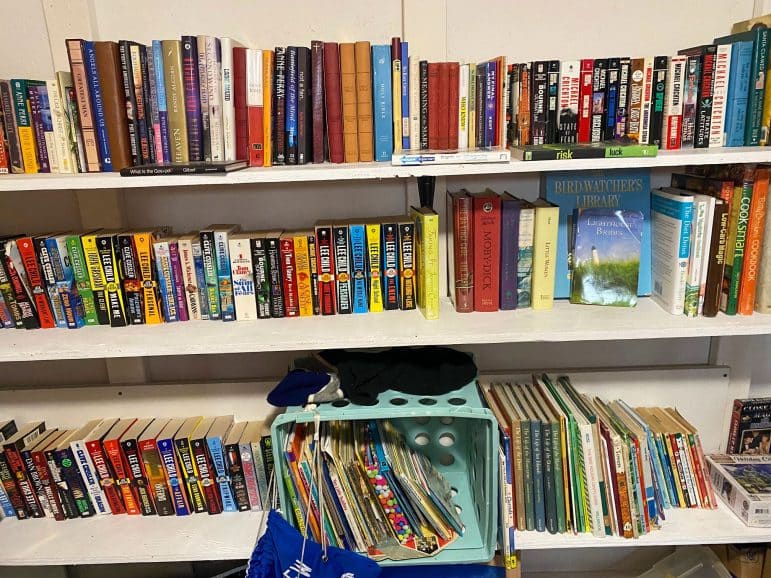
[[606, 256]]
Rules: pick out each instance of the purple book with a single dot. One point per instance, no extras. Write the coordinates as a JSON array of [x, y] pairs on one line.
[[491, 100], [40, 110], [510, 208], [179, 282], [192, 98]]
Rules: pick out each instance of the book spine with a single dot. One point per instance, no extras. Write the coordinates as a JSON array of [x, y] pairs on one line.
[[227, 100], [275, 276], [132, 287], [374, 281], [166, 280], [209, 258], [289, 277], [622, 106], [35, 482], [29, 259], [427, 243], [395, 91], [313, 267], [636, 91], [674, 220], [544, 244], [138, 477], [647, 101], [111, 277], [434, 115], [268, 83], [333, 102], [155, 472], [359, 268], [250, 476], [383, 111], [304, 114], [279, 107], [213, 86], [190, 475], [105, 478], [115, 456], [599, 84], [176, 100], [343, 276], [463, 253], [100, 122], [487, 246], [754, 244], [552, 101], [36, 120], [390, 253], [48, 489], [242, 273], [255, 108], [24, 125], [757, 88], [143, 135], [147, 103], [235, 471], [261, 279], [191, 85], [407, 277], [15, 158], [326, 270], [585, 102], [207, 475], [8, 479], [471, 104], [154, 118], [720, 95], [189, 279], [240, 88], [176, 484], [492, 88], [717, 253], [659, 98], [23, 482], [509, 251], [317, 100], [147, 274], [178, 281], [705, 98], [291, 106], [424, 105], [569, 99], [364, 110], [260, 472], [673, 107], [22, 296], [453, 114], [735, 260], [738, 87], [523, 117], [463, 117], [82, 282], [203, 97], [224, 282], [303, 275], [87, 472], [124, 48], [163, 111], [69, 507], [74, 483], [80, 80]]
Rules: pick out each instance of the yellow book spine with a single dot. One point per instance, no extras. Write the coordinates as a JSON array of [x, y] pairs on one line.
[[544, 255], [303, 270], [427, 251], [93, 263], [396, 85], [28, 153], [373, 252], [765, 123], [175, 100], [143, 242], [733, 220], [267, 108]]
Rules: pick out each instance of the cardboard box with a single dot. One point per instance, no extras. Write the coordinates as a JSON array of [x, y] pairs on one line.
[[746, 561]]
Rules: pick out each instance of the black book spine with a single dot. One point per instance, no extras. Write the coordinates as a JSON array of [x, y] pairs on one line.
[[132, 286], [237, 479], [538, 107], [553, 85], [481, 85], [342, 248], [290, 114], [512, 131], [611, 98], [69, 507], [624, 74], [304, 116], [704, 102], [113, 290], [261, 280], [423, 104], [139, 481], [73, 482], [148, 105], [277, 308], [314, 274], [390, 250], [23, 299], [124, 47], [16, 162], [279, 107], [135, 70], [35, 481], [599, 83], [660, 65]]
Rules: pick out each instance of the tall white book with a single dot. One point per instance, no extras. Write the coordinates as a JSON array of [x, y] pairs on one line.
[[241, 271], [188, 246], [414, 102], [672, 216], [228, 104]]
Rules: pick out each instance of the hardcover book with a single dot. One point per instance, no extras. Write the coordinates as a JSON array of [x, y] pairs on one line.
[[487, 242], [672, 217], [606, 256], [383, 111]]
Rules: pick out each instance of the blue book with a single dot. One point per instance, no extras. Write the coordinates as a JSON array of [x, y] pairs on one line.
[[72, 304], [222, 252], [672, 216], [738, 92], [406, 96], [291, 105], [163, 110], [97, 104], [617, 189], [166, 280], [510, 213], [381, 101], [357, 237], [5, 504], [200, 280], [223, 480], [491, 101]]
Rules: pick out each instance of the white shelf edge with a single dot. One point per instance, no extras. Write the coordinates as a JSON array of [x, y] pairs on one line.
[[565, 322], [362, 171]]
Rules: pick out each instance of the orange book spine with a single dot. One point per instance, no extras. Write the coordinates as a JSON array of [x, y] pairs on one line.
[[350, 108], [115, 455], [364, 101], [753, 247]]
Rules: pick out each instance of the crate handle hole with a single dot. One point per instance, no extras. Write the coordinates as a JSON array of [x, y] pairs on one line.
[[447, 459], [398, 401], [453, 492], [427, 401], [422, 439], [447, 439], [458, 509], [422, 420], [456, 401], [341, 403], [447, 420]]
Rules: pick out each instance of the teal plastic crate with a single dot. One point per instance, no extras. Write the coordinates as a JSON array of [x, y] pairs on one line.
[[460, 437]]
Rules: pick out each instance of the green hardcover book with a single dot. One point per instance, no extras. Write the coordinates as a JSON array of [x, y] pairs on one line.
[[82, 281], [575, 151], [549, 490], [755, 98], [527, 463], [740, 216], [537, 457]]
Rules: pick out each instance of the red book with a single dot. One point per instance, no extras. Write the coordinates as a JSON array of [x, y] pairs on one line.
[[239, 102], [207, 476], [111, 445], [106, 479], [585, 101], [443, 142], [46, 480], [454, 79], [317, 99], [462, 251], [34, 277], [289, 275], [333, 101], [487, 250], [23, 482], [325, 265], [254, 109], [433, 105]]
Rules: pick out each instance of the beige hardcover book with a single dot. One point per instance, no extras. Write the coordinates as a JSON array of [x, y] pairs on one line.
[[349, 101], [364, 101], [175, 100], [512, 414]]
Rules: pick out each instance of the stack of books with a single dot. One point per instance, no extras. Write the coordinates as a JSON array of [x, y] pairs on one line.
[[150, 466]]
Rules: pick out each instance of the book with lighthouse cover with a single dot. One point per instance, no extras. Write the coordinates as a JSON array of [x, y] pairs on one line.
[[606, 256]]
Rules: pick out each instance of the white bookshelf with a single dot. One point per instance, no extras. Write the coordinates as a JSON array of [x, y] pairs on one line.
[[363, 171]]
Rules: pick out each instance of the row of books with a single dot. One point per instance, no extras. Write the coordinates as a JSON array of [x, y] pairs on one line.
[[706, 96], [571, 462], [119, 278], [377, 495], [148, 466]]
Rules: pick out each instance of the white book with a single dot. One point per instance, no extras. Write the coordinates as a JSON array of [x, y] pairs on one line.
[[472, 105], [254, 88], [647, 101], [720, 95], [472, 155], [60, 119], [709, 219], [228, 103], [214, 88], [414, 102], [673, 104], [203, 96], [569, 90], [242, 275], [671, 216], [187, 246], [87, 469], [463, 107], [691, 305]]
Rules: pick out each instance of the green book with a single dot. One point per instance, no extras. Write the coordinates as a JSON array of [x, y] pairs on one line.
[[575, 151], [740, 216], [82, 281], [547, 439], [553, 419]]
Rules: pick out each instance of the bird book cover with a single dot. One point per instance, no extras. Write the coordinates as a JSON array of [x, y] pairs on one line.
[[606, 256]]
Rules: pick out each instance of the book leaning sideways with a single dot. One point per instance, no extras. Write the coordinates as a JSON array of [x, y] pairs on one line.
[[744, 484], [449, 157], [189, 168]]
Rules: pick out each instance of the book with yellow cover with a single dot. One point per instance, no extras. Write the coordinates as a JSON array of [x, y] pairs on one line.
[[303, 272], [267, 107], [175, 100], [544, 253], [24, 125], [373, 252], [427, 260], [96, 276]]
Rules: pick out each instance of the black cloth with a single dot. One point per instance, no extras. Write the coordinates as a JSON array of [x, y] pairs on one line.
[[428, 370]]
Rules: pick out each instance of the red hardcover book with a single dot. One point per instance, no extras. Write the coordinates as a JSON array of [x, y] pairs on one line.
[[585, 101], [29, 258], [111, 445], [452, 118], [254, 108], [317, 99], [462, 251], [289, 275], [46, 480], [239, 102], [106, 479], [333, 101], [433, 105], [487, 250], [443, 141], [325, 265]]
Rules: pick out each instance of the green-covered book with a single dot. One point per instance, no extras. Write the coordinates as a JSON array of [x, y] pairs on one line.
[[574, 151], [606, 256]]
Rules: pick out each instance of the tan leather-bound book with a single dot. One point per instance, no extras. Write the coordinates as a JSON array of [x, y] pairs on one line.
[[175, 100], [350, 113], [364, 100], [111, 79]]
